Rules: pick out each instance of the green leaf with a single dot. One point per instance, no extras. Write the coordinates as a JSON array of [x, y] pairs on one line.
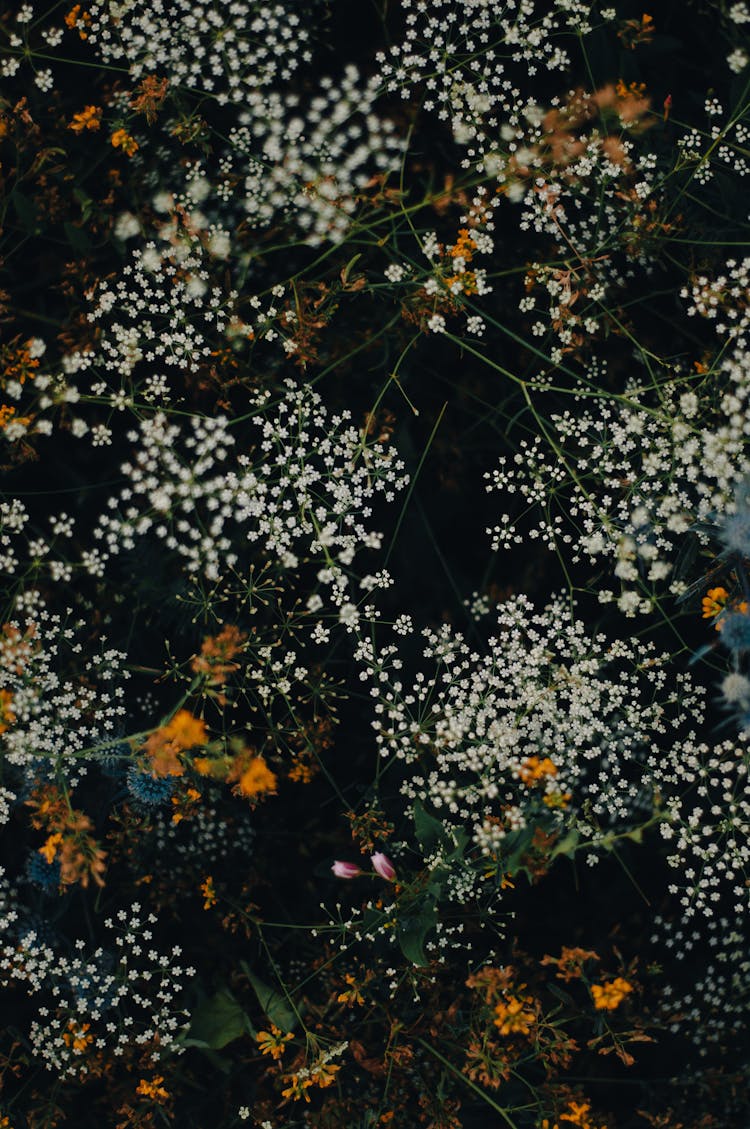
[[429, 830], [347, 269], [274, 1005], [567, 845], [25, 210], [87, 204], [412, 934], [218, 1021], [77, 238], [516, 844]]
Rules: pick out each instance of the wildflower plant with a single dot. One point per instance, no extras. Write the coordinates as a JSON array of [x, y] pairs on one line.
[[375, 542]]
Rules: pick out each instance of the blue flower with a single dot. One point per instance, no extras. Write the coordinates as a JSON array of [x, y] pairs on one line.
[[45, 875], [735, 531], [735, 631], [150, 791]]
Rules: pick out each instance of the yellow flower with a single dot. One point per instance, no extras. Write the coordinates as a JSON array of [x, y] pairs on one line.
[[609, 996]]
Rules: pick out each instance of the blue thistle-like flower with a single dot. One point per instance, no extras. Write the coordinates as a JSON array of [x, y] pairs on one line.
[[735, 531], [150, 791], [45, 875], [110, 763], [735, 631]]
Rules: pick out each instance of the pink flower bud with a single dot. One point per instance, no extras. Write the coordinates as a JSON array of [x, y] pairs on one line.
[[345, 869], [383, 866]]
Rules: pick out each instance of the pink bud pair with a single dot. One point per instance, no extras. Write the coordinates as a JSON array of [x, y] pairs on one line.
[[382, 865]]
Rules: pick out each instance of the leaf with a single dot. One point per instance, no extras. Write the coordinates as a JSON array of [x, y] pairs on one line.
[[273, 1004], [25, 210], [412, 934], [77, 238], [218, 1021], [567, 845], [345, 272], [87, 204], [561, 994], [428, 829], [517, 844]]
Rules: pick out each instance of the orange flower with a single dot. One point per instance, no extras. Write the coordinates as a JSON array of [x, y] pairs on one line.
[[297, 1087], [8, 413], [534, 769], [151, 94], [272, 1043], [352, 995], [7, 717], [570, 962], [208, 891], [217, 655], [165, 745], [75, 18], [76, 1036], [121, 139], [50, 848], [464, 246], [186, 730], [324, 1074], [90, 117], [256, 778], [609, 996], [577, 1113], [513, 1017], [714, 602], [152, 1089]]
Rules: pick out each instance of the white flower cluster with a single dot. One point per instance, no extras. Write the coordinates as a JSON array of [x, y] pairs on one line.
[[21, 41], [553, 728], [305, 490], [205, 839], [219, 47], [624, 482], [708, 836], [307, 160], [159, 311], [61, 721], [157, 324], [634, 479], [107, 999], [549, 725], [465, 57]]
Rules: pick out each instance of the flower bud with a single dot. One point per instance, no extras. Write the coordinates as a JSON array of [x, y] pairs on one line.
[[383, 866], [345, 869]]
